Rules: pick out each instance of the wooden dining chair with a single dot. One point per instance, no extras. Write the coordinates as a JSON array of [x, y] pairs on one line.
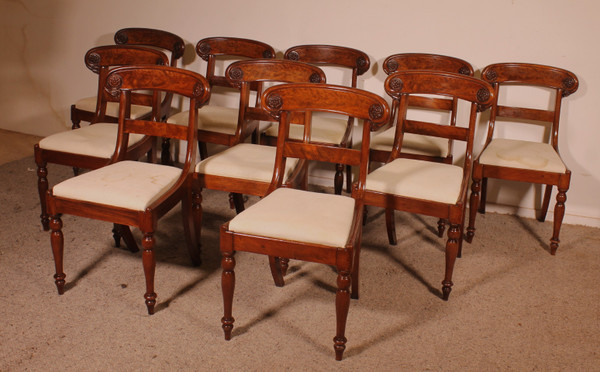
[[218, 121], [133, 193], [247, 168], [327, 129], [420, 146], [519, 159], [300, 224], [91, 147], [425, 186]]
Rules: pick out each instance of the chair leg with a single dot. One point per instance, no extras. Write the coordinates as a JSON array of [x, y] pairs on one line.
[[559, 214], [227, 286], [75, 118], [123, 231], [338, 181], [451, 254], [57, 242], [149, 263], [284, 264], [203, 150], [474, 204], [342, 304], [275, 265], [483, 198], [391, 226], [42, 174], [191, 207], [545, 203], [236, 201], [441, 227]]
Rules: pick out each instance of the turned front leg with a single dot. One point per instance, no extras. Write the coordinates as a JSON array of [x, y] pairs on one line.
[[451, 254], [342, 304], [149, 263], [559, 214], [57, 242], [227, 286], [42, 174]]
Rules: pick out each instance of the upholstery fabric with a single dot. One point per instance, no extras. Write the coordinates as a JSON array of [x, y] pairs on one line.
[[523, 155], [418, 179], [211, 118], [411, 144], [112, 108], [325, 129], [98, 140], [128, 184], [246, 161], [299, 215]]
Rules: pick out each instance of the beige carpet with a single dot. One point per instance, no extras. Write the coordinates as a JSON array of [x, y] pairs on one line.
[[514, 307]]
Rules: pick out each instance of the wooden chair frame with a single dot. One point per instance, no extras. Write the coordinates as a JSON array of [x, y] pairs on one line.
[[400, 86], [122, 81], [283, 100], [564, 83]]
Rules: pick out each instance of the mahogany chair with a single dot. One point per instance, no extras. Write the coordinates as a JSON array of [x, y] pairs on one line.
[[217, 123], [420, 146], [425, 186], [86, 109], [327, 129], [128, 192], [247, 168], [300, 224], [524, 160], [91, 147]]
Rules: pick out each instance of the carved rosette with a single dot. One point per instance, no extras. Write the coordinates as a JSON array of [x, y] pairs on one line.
[[293, 56], [361, 62], [274, 102], [94, 62], [392, 66], [121, 37], [483, 95], [315, 78], [267, 54], [396, 84], [376, 111], [464, 70], [568, 83], [178, 49], [491, 75], [198, 90], [113, 85], [236, 73], [204, 50]]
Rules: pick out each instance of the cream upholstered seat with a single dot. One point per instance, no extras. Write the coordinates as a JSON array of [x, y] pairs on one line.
[[299, 215], [417, 179], [96, 140], [211, 118], [521, 160], [245, 161], [428, 185], [112, 108], [521, 154], [415, 144], [118, 184]]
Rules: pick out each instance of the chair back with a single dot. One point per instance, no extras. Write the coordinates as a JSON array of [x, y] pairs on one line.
[[209, 49], [153, 38], [561, 81], [283, 100], [401, 85], [244, 74], [122, 83], [104, 58], [426, 61]]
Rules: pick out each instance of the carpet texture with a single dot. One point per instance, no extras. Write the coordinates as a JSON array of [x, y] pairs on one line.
[[514, 307]]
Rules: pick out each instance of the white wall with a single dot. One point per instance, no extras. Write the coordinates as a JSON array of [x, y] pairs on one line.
[[43, 43]]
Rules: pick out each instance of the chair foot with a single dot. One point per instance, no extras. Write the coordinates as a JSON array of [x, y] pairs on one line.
[[553, 246], [446, 289], [227, 325], [59, 280], [470, 234], [339, 344], [150, 302]]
